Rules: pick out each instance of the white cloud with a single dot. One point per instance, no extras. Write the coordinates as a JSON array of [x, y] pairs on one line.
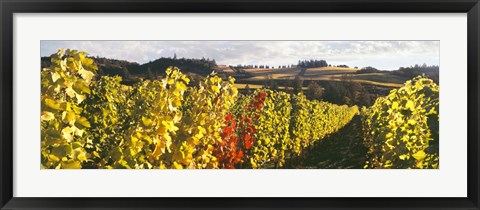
[[380, 54]]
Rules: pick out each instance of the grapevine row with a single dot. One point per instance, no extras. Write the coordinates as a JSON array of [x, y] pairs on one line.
[[96, 122], [401, 129]]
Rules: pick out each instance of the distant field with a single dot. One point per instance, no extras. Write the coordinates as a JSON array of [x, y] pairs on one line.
[[381, 77], [333, 68], [263, 74], [322, 74], [312, 72], [224, 68], [383, 84], [272, 71], [291, 73], [242, 86]]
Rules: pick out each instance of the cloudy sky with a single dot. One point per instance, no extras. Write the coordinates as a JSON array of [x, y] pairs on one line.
[[385, 55]]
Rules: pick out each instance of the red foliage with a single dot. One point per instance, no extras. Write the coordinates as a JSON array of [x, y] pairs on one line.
[[228, 153], [238, 137], [246, 128], [257, 102]]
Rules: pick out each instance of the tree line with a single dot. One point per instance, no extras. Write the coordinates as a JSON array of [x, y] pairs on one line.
[[312, 63]]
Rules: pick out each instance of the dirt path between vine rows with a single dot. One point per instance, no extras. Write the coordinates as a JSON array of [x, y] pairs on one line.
[[341, 150]]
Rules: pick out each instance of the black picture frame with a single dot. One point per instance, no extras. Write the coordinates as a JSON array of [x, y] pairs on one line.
[[9, 7]]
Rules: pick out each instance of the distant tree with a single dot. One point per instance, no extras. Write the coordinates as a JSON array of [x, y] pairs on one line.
[[151, 75], [126, 74], [431, 72], [199, 66], [347, 100], [275, 86], [312, 63], [247, 89], [314, 91], [298, 85], [365, 98], [195, 79], [347, 91], [270, 83], [288, 86], [336, 93], [100, 72], [267, 80], [368, 69]]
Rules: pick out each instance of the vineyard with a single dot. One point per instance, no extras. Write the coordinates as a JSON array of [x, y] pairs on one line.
[[96, 122], [401, 129]]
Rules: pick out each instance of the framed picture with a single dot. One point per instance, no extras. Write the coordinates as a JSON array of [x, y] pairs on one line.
[[239, 105]]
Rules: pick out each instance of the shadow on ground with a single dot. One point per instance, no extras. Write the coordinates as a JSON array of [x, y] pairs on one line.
[[341, 150]]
